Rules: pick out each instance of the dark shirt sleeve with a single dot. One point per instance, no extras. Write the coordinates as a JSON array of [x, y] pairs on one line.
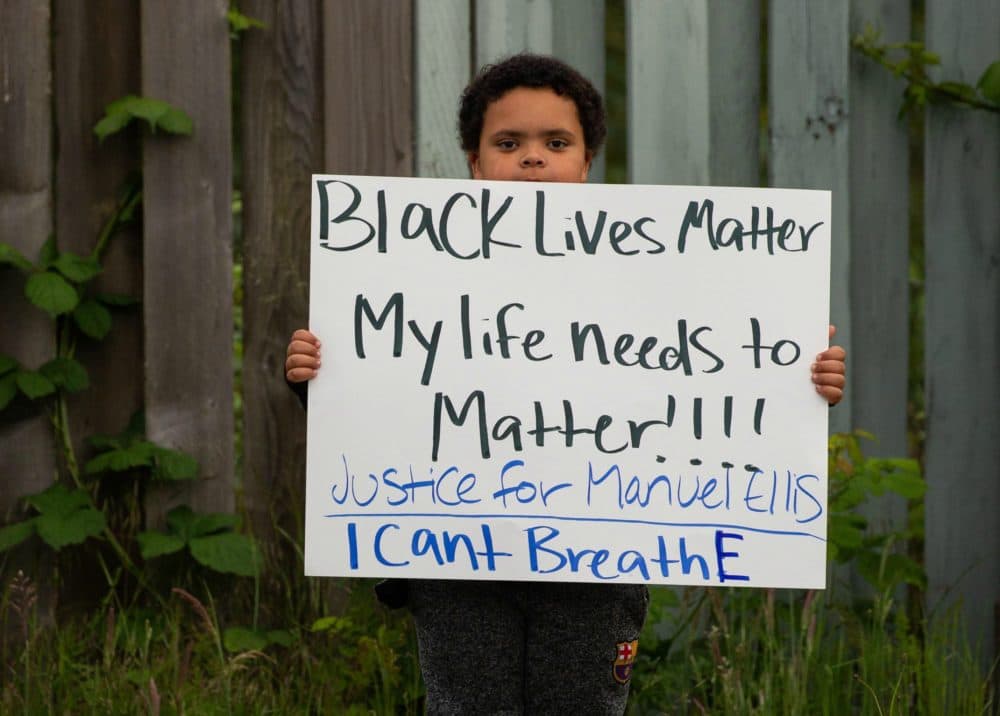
[[301, 390]]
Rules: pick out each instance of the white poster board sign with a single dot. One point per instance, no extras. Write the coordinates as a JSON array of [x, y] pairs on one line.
[[567, 382]]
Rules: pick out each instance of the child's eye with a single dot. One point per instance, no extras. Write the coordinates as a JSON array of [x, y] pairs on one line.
[[507, 144], [558, 144]]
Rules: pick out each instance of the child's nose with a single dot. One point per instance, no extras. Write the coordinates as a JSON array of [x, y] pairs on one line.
[[531, 159]]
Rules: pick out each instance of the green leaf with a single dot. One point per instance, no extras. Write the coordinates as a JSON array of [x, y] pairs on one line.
[[204, 525], [181, 520], [844, 531], [50, 292], [989, 83], [92, 318], [156, 112], [66, 373], [15, 534], [34, 384], [227, 552], [113, 121], [238, 22], [117, 299], [10, 255], [175, 121], [960, 89], [156, 544], [8, 389], [76, 268], [48, 253], [104, 442], [61, 530], [66, 516], [7, 364], [173, 464], [139, 454], [145, 108], [57, 500], [281, 637], [329, 624], [243, 639]]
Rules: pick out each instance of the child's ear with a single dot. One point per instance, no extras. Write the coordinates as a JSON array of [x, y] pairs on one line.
[[473, 158]]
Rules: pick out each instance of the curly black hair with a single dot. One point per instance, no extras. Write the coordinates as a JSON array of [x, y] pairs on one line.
[[529, 70]]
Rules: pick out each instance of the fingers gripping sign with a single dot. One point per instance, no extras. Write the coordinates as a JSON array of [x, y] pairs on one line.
[[829, 372], [302, 358]]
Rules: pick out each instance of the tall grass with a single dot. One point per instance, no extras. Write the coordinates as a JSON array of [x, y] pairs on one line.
[[796, 652]]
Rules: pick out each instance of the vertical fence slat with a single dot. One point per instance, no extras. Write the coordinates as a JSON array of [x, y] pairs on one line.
[[282, 123], [442, 64], [97, 62], [27, 451], [368, 71], [505, 27], [694, 92], [187, 248], [578, 38], [962, 252], [808, 112], [879, 236], [668, 109]]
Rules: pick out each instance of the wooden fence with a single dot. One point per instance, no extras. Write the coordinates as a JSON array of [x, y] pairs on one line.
[[370, 87]]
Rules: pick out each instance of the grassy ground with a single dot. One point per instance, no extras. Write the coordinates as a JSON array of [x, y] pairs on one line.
[[325, 646]]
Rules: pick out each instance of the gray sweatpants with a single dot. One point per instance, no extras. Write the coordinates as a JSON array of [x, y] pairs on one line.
[[526, 647]]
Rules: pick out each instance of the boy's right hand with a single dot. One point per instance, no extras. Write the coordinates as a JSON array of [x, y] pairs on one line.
[[302, 359]]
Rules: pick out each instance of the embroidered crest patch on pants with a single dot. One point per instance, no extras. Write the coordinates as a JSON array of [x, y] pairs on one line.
[[624, 659]]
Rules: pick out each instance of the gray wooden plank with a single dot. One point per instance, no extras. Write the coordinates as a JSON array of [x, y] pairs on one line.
[[187, 249], [808, 116], [27, 451], [962, 251], [368, 87], [506, 27], [442, 52], [879, 252], [694, 92], [96, 62], [578, 39], [282, 129]]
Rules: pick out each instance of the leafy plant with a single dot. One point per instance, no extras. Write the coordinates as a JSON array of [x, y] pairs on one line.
[[65, 517], [238, 22], [130, 450], [157, 113], [910, 60], [209, 538], [854, 479]]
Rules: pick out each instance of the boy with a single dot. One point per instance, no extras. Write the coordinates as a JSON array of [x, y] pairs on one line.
[[528, 647]]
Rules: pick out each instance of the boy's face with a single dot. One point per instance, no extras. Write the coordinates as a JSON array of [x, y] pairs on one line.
[[531, 134]]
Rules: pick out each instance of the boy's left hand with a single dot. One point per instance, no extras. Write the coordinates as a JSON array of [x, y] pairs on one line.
[[829, 373]]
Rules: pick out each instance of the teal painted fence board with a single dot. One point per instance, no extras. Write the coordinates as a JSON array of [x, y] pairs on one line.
[[692, 120], [442, 57], [879, 236], [962, 249], [808, 114]]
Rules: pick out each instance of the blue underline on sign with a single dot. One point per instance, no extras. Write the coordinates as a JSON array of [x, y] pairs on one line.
[[606, 520]]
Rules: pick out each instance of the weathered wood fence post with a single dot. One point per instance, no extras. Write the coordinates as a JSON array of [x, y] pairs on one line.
[[962, 250], [27, 450], [282, 126], [187, 249]]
